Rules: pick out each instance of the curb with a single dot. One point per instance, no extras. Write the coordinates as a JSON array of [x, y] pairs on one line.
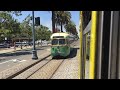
[[21, 50]]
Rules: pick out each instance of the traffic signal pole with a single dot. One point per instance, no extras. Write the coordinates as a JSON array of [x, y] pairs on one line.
[[34, 52]]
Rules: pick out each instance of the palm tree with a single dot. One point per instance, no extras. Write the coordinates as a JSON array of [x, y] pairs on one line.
[[62, 18], [53, 21], [71, 28]]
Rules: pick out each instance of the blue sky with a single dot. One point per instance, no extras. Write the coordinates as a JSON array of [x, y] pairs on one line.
[[45, 17]]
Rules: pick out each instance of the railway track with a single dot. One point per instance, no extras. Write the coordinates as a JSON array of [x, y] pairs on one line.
[[45, 69]]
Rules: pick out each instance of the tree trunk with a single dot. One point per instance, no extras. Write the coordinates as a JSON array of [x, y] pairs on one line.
[[61, 27], [56, 27], [53, 21]]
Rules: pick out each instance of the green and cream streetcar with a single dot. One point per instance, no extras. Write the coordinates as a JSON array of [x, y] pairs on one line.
[[61, 44]]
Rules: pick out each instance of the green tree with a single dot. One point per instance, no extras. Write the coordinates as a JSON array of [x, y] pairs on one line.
[[8, 25], [48, 34], [43, 33], [7, 17], [62, 18], [26, 27], [71, 28]]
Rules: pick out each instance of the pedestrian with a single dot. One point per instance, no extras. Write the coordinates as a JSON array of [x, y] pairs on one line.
[[14, 47]]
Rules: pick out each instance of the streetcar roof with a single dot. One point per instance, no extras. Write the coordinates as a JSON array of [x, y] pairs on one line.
[[60, 34]]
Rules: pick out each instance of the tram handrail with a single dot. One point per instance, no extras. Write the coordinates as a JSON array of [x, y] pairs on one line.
[[93, 45]]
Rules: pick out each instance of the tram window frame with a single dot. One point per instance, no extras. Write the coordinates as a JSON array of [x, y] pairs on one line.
[[57, 42], [64, 41]]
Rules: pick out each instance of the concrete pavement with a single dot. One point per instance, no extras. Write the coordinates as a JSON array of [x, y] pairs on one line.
[[7, 61], [7, 50], [68, 70]]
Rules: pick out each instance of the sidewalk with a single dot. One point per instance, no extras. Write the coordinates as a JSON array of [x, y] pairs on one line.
[[21, 66], [8, 50]]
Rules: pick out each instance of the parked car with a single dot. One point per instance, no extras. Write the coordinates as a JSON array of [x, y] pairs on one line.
[[30, 43], [17, 44], [7, 45], [4, 45], [25, 43]]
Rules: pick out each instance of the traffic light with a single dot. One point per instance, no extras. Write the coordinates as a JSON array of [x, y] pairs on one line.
[[37, 21]]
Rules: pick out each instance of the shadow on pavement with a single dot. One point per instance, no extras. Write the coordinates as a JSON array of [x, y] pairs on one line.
[[19, 52], [73, 53]]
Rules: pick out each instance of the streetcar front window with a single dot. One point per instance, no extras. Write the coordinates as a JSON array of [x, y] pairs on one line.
[[58, 41], [61, 41], [54, 41]]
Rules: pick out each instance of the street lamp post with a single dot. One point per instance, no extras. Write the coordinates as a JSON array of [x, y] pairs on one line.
[[34, 52]]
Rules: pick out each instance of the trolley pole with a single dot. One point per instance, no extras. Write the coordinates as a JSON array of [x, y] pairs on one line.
[[34, 52]]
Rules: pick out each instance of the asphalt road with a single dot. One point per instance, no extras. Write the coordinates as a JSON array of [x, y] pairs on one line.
[[10, 59]]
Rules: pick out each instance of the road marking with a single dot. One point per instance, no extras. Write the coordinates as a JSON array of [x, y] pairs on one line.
[[22, 61], [6, 61], [14, 60]]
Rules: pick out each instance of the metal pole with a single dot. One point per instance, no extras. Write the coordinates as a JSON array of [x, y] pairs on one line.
[[34, 53], [93, 45]]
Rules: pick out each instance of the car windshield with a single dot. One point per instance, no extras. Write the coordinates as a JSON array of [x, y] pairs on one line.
[[58, 41]]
